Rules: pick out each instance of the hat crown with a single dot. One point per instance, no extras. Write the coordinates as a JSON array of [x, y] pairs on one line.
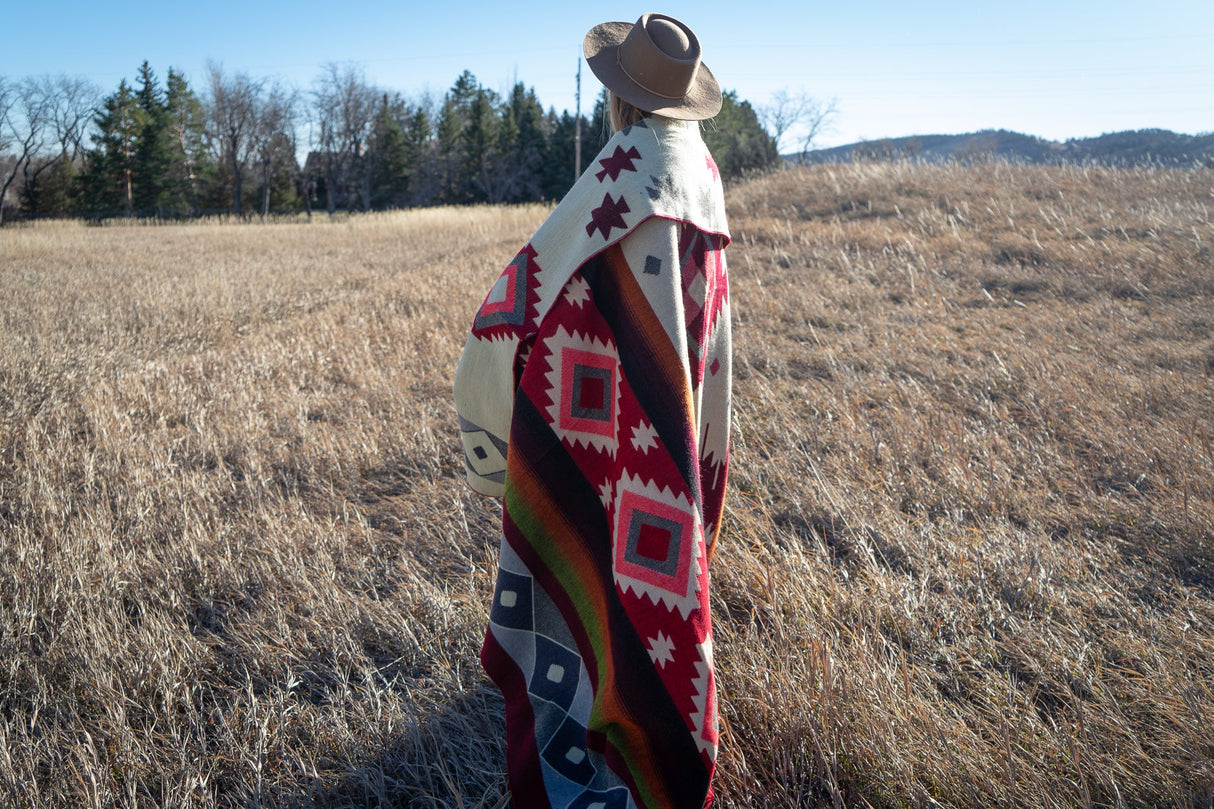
[[670, 38], [661, 55]]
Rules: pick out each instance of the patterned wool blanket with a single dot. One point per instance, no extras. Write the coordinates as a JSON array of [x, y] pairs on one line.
[[593, 396]]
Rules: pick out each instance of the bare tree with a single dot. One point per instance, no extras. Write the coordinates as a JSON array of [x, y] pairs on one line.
[[8, 134], [25, 113], [232, 123], [274, 136], [6, 100], [344, 110], [797, 117], [67, 105], [73, 102]]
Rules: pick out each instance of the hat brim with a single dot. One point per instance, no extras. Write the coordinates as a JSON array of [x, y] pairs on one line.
[[702, 101]]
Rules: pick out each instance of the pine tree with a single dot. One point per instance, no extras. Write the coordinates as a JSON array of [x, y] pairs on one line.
[[390, 178], [557, 173], [478, 180], [737, 140], [448, 140], [111, 164], [190, 166], [596, 134], [422, 186], [466, 136], [522, 142], [153, 150]]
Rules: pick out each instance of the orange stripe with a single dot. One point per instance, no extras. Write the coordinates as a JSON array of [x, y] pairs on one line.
[[528, 494]]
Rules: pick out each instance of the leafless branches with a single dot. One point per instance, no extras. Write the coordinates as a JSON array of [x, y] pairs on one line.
[[26, 112], [344, 105], [796, 119], [232, 123]]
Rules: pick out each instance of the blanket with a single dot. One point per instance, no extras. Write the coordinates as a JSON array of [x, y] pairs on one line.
[[593, 397]]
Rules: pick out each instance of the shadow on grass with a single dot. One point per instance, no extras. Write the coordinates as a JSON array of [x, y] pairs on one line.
[[454, 757]]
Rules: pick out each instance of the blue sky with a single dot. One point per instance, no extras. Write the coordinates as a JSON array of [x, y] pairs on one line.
[[1052, 69]]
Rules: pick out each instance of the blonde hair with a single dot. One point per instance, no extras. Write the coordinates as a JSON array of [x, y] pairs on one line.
[[623, 113]]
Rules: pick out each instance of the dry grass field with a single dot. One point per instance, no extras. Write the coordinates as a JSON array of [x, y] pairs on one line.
[[968, 557]]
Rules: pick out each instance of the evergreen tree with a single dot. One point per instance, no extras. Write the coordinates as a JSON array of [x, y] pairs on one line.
[[557, 171], [421, 159], [390, 177], [737, 140], [153, 149], [112, 162], [522, 143], [599, 130], [448, 143], [479, 181], [457, 168], [190, 166]]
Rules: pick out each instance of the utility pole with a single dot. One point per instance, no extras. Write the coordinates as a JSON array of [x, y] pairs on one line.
[[577, 126]]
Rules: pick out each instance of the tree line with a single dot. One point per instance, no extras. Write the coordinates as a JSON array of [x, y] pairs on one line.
[[251, 146]]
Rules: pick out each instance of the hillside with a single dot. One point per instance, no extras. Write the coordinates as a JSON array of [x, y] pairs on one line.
[[968, 553], [1133, 148]]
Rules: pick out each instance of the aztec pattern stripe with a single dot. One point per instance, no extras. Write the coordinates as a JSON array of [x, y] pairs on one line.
[[549, 530], [526, 778], [659, 383]]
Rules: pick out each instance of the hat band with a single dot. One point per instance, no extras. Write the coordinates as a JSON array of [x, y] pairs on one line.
[[620, 64]]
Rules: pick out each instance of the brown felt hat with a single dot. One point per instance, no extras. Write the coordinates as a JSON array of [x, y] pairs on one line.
[[654, 64]]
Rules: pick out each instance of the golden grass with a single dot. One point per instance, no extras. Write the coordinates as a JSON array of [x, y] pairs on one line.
[[969, 553]]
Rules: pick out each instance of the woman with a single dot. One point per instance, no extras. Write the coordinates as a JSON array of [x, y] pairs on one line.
[[593, 396]]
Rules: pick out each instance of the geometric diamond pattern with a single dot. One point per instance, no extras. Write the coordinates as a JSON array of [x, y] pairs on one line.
[[506, 303], [590, 391], [512, 602], [484, 452], [584, 388], [589, 385], [653, 542], [566, 752], [556, 673], [658, 554]]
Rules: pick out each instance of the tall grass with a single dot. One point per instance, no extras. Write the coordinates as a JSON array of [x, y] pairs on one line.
[[969, 549]]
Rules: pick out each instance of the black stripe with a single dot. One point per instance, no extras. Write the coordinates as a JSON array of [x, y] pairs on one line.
[[663, 406], [534, 444]]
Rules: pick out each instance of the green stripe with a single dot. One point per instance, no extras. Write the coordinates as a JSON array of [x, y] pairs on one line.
[[526, 517]]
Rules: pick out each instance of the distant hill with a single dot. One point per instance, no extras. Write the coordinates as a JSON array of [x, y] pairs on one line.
[[1138, 147]]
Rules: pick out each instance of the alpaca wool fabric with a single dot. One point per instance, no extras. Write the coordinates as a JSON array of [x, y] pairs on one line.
[[593, 397]]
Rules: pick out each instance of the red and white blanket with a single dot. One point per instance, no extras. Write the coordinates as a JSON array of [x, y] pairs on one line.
[[593, 396]]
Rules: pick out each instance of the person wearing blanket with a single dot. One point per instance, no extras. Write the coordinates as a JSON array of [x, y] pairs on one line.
[[593, 397]]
